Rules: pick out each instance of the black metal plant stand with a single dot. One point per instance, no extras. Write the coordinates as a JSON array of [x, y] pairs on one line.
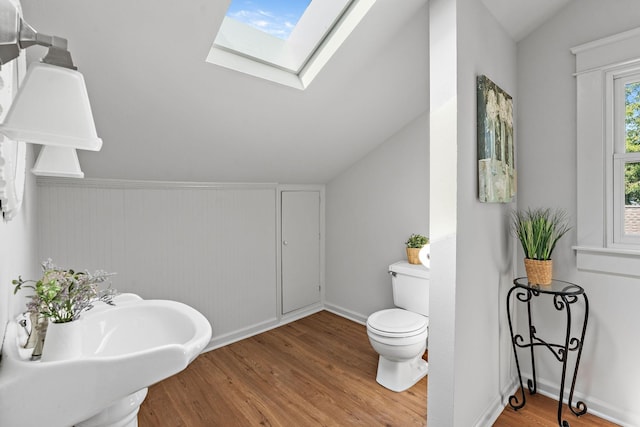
[[564, 295]]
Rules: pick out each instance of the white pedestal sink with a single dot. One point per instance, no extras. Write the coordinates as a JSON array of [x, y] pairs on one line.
[[124, 349]]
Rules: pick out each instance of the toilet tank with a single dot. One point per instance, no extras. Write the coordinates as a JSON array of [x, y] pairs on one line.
[[410, 283]]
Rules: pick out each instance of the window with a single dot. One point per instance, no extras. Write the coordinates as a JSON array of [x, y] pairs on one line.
[[275, 17], [287, 45], [626, 160], [608, 150]]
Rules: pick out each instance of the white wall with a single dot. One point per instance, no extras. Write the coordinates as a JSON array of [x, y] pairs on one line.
[[18, 251], [472, 250], [485, 268], [211, 246], [547, 177], [376, 204], [372, 208]]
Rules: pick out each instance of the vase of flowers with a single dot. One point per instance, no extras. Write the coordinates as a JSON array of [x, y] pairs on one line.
[[63, 341], [60, 297]]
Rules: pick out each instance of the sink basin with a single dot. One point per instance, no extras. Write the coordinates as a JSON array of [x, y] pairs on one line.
[[123, 350]]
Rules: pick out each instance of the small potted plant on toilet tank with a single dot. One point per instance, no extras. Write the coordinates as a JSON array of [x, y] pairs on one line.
[[414, 244]]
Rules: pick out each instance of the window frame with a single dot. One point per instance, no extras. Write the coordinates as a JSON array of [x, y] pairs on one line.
[[598, 172], [279, 66], [289, 54], [619, 157]]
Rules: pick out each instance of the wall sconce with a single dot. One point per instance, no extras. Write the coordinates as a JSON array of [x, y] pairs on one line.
[[51, 107]]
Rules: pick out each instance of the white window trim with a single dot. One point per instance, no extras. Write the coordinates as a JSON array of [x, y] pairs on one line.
[[290, 54], [597, 65]]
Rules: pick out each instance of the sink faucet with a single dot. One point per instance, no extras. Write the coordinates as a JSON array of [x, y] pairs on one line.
[[36, 333]]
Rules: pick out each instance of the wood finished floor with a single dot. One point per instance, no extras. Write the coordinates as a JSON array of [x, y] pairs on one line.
[[317, 371], [543, 411]]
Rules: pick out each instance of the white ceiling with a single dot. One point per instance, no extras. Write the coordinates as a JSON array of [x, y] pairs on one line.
[[166, 114], [520, 17]]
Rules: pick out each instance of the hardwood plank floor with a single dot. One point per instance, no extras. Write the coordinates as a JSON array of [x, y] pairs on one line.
[[317, 371], [540, 410]]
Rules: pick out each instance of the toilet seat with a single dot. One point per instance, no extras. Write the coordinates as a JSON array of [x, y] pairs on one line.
[[398, 323]]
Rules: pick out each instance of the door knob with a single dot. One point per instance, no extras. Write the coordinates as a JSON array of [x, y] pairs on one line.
[[284, 242]]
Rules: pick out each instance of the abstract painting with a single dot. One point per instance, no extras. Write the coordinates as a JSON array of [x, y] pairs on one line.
[[496, 170]]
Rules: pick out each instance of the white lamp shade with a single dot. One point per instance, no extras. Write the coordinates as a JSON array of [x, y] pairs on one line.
[[52, 108], [58, 161]]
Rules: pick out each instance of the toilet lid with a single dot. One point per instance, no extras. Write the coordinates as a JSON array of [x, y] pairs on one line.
[[397, 322]]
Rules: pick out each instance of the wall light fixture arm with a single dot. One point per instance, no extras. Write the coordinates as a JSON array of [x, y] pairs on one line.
[[16, 34], [57, 54]]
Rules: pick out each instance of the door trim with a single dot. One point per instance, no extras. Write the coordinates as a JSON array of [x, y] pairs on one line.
[[292, 187]]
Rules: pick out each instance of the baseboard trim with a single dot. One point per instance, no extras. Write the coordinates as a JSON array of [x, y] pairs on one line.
[[300, 313], [348, 314], [258, 328], [231, 337], [489, 417], [594, 406]]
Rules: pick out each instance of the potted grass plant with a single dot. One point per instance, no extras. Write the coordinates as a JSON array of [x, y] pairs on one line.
[[414, 244], [538, 231]]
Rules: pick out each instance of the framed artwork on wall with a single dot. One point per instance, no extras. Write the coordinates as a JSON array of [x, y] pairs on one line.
[[496, 169]]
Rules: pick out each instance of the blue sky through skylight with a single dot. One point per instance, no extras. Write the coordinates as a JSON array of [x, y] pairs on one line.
[[274, 17]]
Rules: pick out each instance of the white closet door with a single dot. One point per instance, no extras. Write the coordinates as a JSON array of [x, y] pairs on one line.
[[300, 249]]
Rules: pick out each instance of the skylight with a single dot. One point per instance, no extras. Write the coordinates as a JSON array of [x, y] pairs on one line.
[[274, 17], [287, 42]]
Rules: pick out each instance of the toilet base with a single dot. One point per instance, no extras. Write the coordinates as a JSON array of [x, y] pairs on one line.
[[400, 376]]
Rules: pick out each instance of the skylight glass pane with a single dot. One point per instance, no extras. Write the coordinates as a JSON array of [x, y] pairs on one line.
[[274, 17]]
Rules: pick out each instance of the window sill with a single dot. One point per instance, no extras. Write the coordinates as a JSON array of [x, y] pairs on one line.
[[622, 262]]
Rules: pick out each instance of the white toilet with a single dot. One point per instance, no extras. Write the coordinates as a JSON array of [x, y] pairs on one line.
[[399, 335]]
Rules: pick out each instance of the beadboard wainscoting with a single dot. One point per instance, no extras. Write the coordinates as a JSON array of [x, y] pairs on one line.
[[211, 246]]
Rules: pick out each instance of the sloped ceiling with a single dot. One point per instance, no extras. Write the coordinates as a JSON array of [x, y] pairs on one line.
[[166, 114], [521, 17]]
